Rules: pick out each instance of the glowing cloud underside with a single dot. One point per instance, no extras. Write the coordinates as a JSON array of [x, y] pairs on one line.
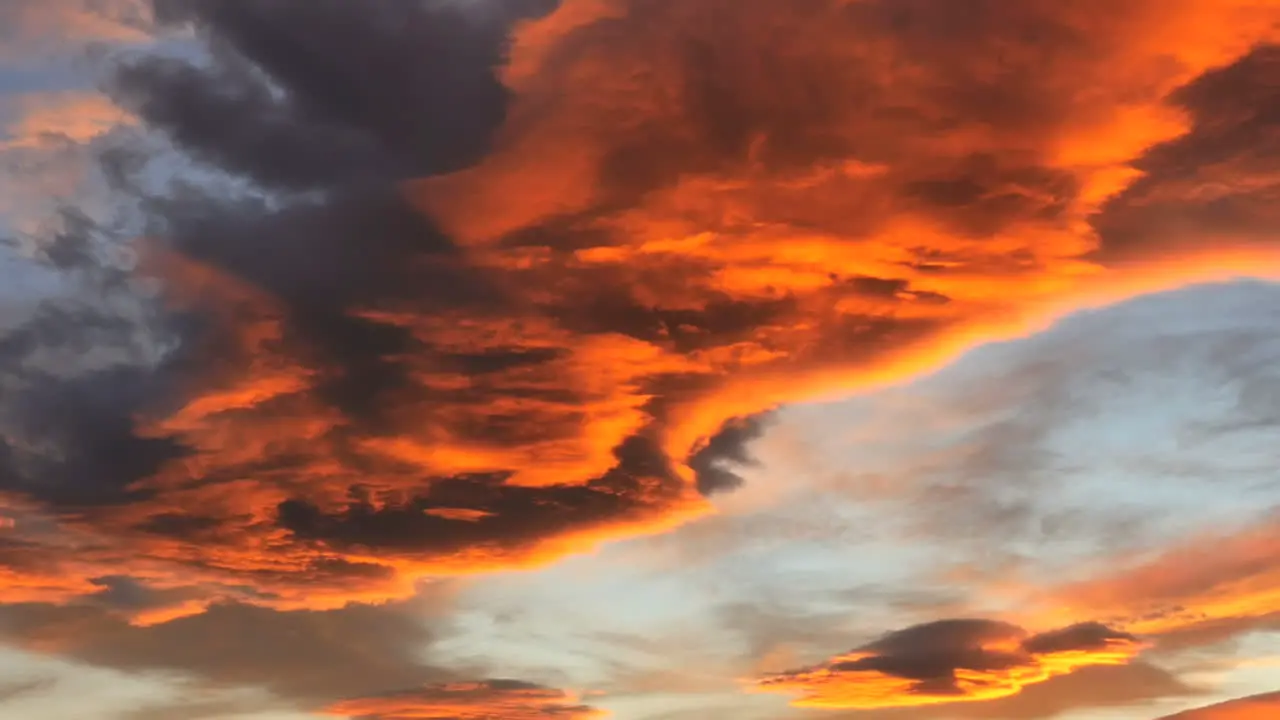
[[508, 330], [506, 699]]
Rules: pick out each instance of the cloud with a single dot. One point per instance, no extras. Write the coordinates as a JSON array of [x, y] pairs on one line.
[[48, 156], [481, 299], [727, 446], [305, 658], [1011, 461], [44, 119], [1096, 686], [951, 661], [1255, 707], [287, 105], [1208, 587], [59, 27], [469, 701]]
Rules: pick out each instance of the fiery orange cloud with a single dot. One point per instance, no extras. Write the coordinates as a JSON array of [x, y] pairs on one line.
[[950, 661], [471, 349], [506, 699], [1256, 707]]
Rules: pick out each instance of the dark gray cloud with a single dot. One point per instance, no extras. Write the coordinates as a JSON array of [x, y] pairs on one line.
[[317, 94], [513, 516], [509, 699], [1217, 180], [1245, 707]]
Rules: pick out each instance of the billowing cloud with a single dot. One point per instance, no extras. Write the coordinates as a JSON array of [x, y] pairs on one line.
[[43, 119], [1217, 180], [507, 699], [484, 295], [1255, 707], [951, 661]]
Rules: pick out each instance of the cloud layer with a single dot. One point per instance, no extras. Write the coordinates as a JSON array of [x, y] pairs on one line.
[[442, 289]]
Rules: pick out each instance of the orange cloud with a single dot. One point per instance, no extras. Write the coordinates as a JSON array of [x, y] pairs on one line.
[[65, 25], [1256, 707], [505, 699], [1215, 584], [496, 335], [45, 119], [950, 661]]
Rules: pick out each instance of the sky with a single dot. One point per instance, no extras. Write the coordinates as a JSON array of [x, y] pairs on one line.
[[639, 359]]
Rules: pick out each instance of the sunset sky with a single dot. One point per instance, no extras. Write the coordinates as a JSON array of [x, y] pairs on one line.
[[640, 359]]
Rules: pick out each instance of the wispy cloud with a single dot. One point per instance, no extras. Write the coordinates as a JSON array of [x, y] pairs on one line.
[[469, 701], [951, 661]]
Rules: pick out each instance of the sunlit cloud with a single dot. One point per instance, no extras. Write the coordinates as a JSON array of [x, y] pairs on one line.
[[427, 343], [1223, 582], [40, 121], [1257, 707], [41, 30], [951, 661]]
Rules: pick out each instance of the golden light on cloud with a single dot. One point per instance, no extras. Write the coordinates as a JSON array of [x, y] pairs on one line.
[[950, 661], [40, 29], [1257, 707], [494, 337]]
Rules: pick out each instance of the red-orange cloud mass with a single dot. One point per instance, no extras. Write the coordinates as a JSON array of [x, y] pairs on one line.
[[519, 267]]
